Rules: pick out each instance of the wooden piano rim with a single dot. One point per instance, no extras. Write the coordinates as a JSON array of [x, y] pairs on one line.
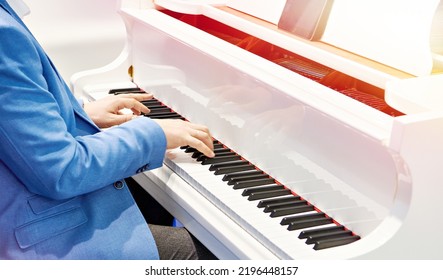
[[321, 45]]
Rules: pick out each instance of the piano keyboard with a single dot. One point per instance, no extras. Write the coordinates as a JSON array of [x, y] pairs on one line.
[[267, 209]]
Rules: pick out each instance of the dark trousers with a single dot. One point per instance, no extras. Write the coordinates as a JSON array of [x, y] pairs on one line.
[[173, 243]]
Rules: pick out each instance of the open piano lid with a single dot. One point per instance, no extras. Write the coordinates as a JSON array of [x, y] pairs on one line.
[[397, 40], [396, 33]]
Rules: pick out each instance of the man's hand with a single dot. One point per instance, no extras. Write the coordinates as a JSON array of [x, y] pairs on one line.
[[182, 133], [107, 112]]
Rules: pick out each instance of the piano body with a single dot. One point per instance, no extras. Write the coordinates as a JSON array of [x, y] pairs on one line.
[[72, 31], [354, 130]]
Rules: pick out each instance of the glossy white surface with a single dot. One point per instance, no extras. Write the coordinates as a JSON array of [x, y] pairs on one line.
[[77, 35], [376, 174]]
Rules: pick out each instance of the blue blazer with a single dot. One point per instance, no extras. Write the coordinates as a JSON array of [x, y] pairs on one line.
[[61, 190]]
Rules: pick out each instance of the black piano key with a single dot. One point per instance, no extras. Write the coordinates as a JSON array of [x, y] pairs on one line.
[[231, 175], [231, 153], [310, 223], [159, 110], [218, 151], [218, 146], [288, 220], [220, 159], [154, 104], [312, 232], [253, 183], [328, 236], [239, 162], [153, 107], [239, 179], [324, 244], [249, 191], [216, 142], [124, 90], [221, 150], [164, 115], [190, 149], [294, 209], [151, 100], [269, 194], [159, 114], [232, 169], [274, 206], [196, 154], [129, 92], [224, 153], [203, 157], [267, 202], [176, 117]]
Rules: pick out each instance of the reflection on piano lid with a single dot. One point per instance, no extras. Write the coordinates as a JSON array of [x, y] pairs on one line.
[[345, 84], [248, 181]]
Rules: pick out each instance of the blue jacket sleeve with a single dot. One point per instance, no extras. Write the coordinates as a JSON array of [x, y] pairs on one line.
[[40, 139]]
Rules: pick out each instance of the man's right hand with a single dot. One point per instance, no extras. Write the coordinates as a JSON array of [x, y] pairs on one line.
[[182, 133]]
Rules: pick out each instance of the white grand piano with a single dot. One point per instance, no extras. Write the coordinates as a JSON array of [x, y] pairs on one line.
[[328, 116]]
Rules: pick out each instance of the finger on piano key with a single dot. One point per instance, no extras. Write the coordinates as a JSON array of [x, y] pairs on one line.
[[219, 154], [217, 151]]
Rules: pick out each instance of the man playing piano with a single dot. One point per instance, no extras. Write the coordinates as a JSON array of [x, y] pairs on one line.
[[63, 193]]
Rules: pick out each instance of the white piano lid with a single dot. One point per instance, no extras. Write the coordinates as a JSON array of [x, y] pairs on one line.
[[415, 95], [395, 32], [268, 10]]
